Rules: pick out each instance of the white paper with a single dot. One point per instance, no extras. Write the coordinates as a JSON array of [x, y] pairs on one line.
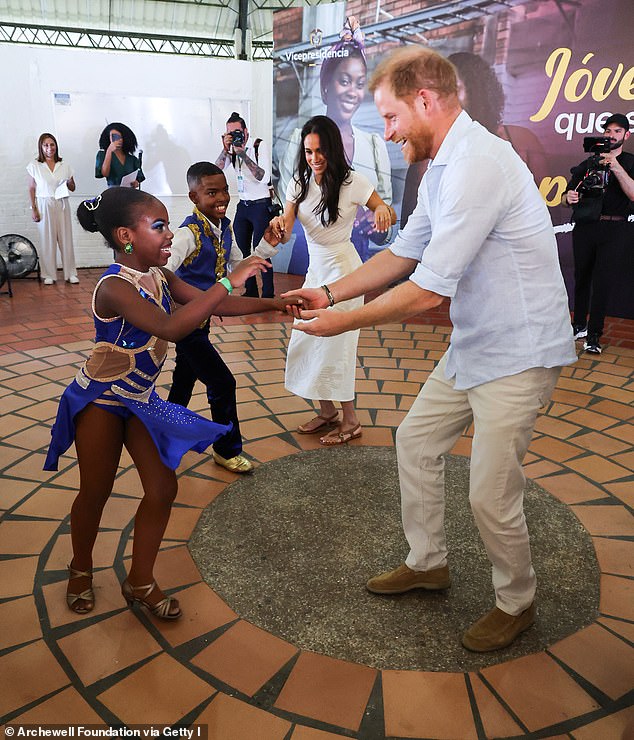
[[127, 180], [61, 191]]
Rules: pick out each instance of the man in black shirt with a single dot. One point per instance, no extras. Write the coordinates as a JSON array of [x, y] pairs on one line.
[[598, 236]]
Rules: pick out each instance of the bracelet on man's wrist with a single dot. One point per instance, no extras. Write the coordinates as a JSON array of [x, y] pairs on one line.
[[226, 283], [329, 295]]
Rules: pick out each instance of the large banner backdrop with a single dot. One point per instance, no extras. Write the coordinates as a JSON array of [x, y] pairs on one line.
[[540, 73]]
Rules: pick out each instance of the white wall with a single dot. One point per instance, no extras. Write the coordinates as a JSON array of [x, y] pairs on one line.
[[31, 76]]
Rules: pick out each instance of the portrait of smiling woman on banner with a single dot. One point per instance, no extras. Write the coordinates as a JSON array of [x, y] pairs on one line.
[[342, 89]]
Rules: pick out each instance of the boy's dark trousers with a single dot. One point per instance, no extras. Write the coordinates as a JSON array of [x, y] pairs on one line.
[[251, 219], [196, 359]]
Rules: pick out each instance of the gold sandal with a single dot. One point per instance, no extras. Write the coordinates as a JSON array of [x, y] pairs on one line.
[[325, 422], [88, 595], [161, 609]]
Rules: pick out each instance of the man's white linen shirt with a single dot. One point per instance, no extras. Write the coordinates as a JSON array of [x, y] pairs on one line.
[[483, 237]]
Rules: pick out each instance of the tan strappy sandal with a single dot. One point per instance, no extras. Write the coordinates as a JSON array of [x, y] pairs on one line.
[[87, 596], [341, 436], [325, 423], [162, 609]]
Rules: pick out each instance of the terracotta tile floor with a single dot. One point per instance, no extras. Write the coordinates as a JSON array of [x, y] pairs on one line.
[[213, 667]]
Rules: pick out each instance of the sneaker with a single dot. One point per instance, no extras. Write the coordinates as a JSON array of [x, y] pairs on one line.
[[579, 331], [405, 579], [237, 464], [49, 281], [592, 345], [497, 629], [73, 280]]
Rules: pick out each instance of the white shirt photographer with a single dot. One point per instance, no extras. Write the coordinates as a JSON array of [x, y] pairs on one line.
[[253, 189], [249, 187]]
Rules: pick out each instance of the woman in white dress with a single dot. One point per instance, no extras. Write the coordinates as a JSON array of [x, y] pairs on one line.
[[324, 195], [50, 181]]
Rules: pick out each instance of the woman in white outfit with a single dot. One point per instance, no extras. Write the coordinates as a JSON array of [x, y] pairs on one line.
[[324, 195], [50, 180]]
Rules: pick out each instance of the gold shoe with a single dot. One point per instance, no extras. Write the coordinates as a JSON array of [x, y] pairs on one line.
[[163, 609], [237, 464], [88, 596]]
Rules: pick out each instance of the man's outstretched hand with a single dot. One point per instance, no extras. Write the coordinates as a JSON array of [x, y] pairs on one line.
[[312, 299], [323, 323]]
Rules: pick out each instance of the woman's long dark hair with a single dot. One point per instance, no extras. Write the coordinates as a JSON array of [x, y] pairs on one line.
[[337, 168], [485, 95]]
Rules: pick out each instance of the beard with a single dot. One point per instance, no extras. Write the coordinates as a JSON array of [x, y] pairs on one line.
[[616, 144], [419, 144]]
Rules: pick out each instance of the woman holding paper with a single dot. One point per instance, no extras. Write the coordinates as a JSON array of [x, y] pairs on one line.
[[115, 158], [50, 181]]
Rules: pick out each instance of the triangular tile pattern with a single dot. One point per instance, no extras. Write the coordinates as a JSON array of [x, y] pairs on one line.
[[212, 666]]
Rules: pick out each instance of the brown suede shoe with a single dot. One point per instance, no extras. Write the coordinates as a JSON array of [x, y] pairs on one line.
[[405, 579], [497, 629]]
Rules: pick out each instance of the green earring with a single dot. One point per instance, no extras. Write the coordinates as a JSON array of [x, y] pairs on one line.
[[128, 248]]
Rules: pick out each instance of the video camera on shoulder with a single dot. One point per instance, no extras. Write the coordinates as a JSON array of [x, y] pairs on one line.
[[597, 144], [237, 137], [596, 178]]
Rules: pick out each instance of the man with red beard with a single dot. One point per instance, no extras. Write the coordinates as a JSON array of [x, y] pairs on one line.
[[602, 229], [480, 236]]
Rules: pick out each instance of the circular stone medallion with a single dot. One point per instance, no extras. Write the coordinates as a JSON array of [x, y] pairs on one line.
[[290, 549]]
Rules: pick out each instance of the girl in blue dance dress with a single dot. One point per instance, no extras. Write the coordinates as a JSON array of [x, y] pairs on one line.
[[113, 403]]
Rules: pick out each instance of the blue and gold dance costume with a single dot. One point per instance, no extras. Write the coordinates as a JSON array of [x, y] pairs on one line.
[[120, 377]]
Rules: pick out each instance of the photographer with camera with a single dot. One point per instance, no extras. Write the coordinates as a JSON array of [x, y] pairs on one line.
[[252, 165], [600, 193]]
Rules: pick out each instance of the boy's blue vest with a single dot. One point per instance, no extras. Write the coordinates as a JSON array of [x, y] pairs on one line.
[[208, 262]]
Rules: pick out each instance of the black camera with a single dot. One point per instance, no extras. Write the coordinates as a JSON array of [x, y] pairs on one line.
[[597, 144], [596, 178], [237, 137]]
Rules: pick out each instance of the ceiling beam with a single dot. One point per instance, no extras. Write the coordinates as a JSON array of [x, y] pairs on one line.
[[83, 38]]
